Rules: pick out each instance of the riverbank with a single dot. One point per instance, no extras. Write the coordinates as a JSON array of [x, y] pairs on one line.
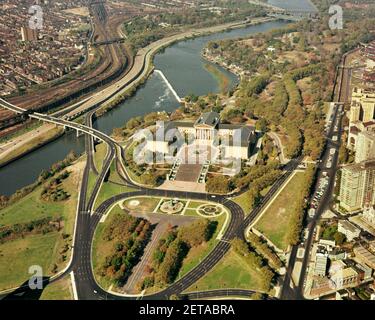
[[220, 76], [231, 68], [31, 144]]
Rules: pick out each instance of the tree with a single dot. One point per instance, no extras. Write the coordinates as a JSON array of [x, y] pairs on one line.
[[133, 123], [261, 125], [218, 184], [339, 238]]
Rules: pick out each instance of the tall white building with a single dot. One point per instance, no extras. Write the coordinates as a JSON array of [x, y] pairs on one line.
[[357, 189], [365, 149]]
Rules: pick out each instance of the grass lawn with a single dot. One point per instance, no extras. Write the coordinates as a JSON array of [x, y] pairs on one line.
[[18, 255], [230, 272], [114, 176], [195, 204], [99, 155], [59, 290], [146, 204], [109, 190], [191, 212], [91, 183], [243, 202], [281, 210]]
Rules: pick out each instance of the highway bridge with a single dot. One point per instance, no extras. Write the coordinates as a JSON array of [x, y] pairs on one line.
[[60, 122]]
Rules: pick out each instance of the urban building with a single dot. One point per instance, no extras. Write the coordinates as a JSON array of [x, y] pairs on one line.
[[321, 262], [369, 214], [357, 186], [362, 116], [337, 254], [364, 271], [365, 149], [344, 278], [364, 256], [366, 102], [348, 229]]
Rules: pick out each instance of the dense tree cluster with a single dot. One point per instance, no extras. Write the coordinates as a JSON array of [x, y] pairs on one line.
[[53, 190], [330, 232], [144, 30], [218, 184], [295, 226], [19, 230], [129, 236], [264, 250], [173, 248]]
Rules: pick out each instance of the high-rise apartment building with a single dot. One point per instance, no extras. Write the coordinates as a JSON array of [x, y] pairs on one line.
[[365, 148], [357, 189]]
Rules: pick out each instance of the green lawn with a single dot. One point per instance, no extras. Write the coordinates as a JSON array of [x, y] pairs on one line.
[[243, 202], [114, 176], [16, 256], [146, 204], [59, 290], [194, 204], [101, 151], [230, 272], [275, 221], [109, 190], [191, 212], [91, 183], [30, 208]]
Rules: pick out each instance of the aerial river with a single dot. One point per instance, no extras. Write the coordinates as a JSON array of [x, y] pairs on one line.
[[184, 68]]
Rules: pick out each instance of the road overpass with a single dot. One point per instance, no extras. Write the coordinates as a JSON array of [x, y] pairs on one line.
[[57, 121]]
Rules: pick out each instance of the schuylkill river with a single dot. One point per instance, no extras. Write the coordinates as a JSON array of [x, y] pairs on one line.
[[184, 68]]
